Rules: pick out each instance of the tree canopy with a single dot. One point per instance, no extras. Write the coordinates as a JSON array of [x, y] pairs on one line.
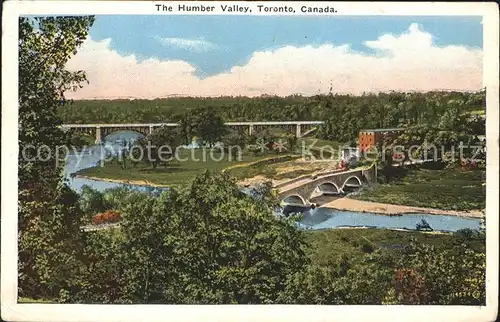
[[50, 243]]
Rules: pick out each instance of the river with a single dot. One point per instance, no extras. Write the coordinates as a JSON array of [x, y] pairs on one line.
[[319, 218]]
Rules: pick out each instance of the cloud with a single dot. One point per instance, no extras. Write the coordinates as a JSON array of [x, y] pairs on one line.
[[406, 62], [196, 45]]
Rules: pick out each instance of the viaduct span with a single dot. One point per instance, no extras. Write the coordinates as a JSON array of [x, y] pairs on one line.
[[100, 131]]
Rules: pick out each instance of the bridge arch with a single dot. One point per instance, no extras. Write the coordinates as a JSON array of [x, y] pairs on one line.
[[115, 134], [294, 199], [353, 181], [328, 188]]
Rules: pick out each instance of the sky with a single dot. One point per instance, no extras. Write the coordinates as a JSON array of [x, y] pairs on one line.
[[159, 56]]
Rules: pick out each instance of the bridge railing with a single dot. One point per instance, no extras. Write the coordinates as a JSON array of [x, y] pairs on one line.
[[305, 176], [176, 124], [322, 174]]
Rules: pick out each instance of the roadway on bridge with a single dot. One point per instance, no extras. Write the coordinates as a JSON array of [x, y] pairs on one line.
[[294, 185], [301, 182]]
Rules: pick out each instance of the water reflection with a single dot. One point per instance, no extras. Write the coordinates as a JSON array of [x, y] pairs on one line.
[[321, 218]]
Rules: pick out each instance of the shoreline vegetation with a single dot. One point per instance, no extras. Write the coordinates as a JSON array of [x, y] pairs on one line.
[[345, 203], [144, 183], [433, 191]]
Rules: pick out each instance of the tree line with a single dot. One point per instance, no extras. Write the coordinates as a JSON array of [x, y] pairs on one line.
[[344, 115]]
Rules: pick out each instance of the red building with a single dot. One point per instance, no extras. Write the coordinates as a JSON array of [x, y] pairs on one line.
[[371, 137]]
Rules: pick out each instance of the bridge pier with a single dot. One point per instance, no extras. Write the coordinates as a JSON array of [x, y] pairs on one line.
[[251, 127], [297, 130], [97, 135]]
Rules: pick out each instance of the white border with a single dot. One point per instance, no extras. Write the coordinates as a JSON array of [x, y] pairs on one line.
[[12, 311]]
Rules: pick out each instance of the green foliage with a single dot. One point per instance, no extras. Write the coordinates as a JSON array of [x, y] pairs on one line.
[[210, 126], [204, 122], [234, 143], [92, 201], [444, 110], [345, 115], [50, 244], [429, 142], [443, 189], [453, 277], [426, 269], [177, 172], [158, 148], [209, 243], [79, 140], [423, 225]]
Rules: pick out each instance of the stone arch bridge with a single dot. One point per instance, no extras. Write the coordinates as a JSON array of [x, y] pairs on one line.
[[299, 191]]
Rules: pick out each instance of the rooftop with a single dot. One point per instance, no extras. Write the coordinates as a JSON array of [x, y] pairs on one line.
[[383, 130]]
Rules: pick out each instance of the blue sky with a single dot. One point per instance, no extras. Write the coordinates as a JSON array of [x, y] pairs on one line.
[[206, 55], [231, 40]]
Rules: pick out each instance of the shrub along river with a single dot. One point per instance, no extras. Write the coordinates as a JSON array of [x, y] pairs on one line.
[[319, 218]]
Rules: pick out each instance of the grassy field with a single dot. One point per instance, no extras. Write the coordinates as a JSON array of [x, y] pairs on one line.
[[442, 189], [319, 148], [39, 301], [280, 170], [176, 173], [478, 112], [294, 168], [329, 245]]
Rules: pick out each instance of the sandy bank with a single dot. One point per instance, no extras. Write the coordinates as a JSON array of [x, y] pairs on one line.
[[245, 183], [132, 182], [435, 232], [389, 209]]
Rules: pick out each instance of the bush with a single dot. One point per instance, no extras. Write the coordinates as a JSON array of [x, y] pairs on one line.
[[107, 217], [423, 225], [410, 286], [466, 234], [367, 248]]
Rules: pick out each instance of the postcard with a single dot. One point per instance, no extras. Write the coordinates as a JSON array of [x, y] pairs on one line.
[[249, 161]]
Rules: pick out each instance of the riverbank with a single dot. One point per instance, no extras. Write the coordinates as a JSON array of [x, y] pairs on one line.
[[144, 183], [354, 205], [452, 189]]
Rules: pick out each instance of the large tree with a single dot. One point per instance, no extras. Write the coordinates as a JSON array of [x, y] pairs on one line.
[[49, 218], [157, 148], [209, 125]]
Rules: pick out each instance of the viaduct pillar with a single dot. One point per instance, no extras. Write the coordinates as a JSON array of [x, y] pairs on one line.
[[297, 130], [98, 135]]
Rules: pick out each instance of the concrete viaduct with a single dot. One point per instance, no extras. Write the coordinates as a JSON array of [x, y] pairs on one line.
[[100, 131], [299, 191]]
